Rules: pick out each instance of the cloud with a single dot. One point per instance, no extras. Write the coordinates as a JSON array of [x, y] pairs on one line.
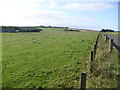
[[87, 6], [58, 16], [29, 12], [52, 4], [14, 11], [86, 1]]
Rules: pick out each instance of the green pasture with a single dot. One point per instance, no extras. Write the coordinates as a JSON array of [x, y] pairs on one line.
[[52, 58], [113, 33]]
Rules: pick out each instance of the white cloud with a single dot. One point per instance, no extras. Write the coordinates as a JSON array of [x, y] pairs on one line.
[[52, 4], [58, 19], [86, 1], [14, 11], [87, 6], [58, 16], [29, 12]]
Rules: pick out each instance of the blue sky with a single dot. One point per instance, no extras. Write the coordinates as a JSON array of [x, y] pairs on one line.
[[94, 14]]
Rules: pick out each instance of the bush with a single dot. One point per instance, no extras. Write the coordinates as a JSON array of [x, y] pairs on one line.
[[107, 30], [30, 30]]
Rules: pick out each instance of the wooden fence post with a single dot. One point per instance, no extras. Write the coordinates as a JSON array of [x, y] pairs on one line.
[[96, 43], [91, 61], [97, 39], [95, 50], [106, 37], [83, 81], [111, 45], [92, 55]]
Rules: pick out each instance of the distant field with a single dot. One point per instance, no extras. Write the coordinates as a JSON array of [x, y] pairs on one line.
[[115, 33], [52, 58]]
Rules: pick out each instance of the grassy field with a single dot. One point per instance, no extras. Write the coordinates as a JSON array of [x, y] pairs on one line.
[[116, 34], [52, 58], [113, 33]]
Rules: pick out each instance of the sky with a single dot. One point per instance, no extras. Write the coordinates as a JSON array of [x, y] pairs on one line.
[[81, 14]]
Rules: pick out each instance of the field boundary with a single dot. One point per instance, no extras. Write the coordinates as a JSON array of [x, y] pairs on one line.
[[92, 57]]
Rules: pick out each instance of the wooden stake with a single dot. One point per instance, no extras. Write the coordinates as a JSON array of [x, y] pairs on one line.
[[94, 50], [83, 81], [111, 46], [91, 62], [106, 38], [92, 55]]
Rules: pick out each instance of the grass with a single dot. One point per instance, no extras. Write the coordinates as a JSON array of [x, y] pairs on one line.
[[116, 34], [105, 66], [52, 58], [113, 33]]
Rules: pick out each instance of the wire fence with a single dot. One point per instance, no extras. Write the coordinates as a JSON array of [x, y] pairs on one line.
[[93, 55]]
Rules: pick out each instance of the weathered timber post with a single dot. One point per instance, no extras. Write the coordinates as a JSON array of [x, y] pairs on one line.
[[94, 50], [97, 40], [83, 81], [106, 38], [111, 45], [96, 43], [91, 61], [92, 55]]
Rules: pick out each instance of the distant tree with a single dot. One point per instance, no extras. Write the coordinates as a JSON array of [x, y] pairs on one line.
[[107, 30], [11, 29], [30, 30]]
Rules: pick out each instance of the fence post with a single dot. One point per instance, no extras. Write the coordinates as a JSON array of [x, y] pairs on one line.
[[91, 62], [92, 55], [96, 43], [106, 37], [94, 50], [111, 45], [83, 81], [97, 39]]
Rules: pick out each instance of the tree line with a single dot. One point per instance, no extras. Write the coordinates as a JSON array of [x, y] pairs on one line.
[[42, 26], [13, 29], [107, 30]]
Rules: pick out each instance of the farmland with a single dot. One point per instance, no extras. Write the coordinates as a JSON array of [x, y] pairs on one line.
[[114, 33], [117, 34], [52, 58]]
